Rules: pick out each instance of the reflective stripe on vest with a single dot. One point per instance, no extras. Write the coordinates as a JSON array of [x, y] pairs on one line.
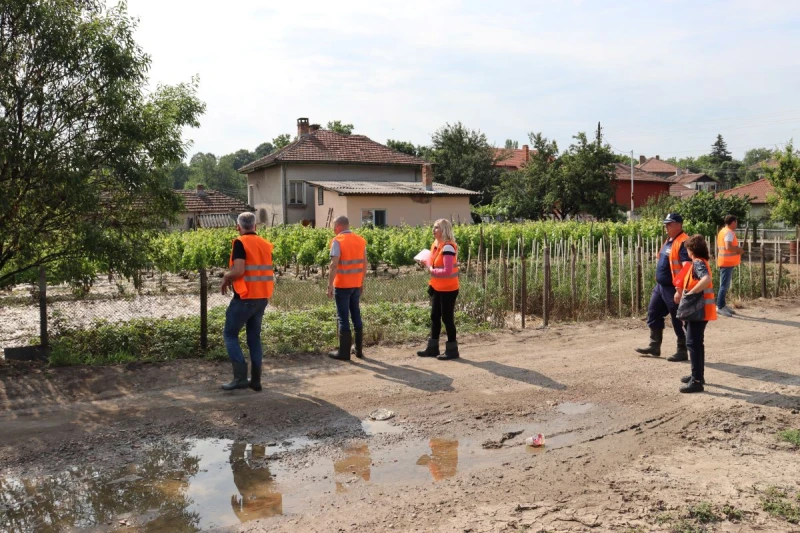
[[708, 293], [675, 264], [352, 261], [444, 282], [259, 280], [726, 258]]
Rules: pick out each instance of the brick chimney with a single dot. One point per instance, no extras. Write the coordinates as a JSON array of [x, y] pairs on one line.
[[642, 159], [200, 190], [427, 176], [526, 152], [658, 158], [302, 127]]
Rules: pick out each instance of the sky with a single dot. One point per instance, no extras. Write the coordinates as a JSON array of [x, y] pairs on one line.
[[662, 77]]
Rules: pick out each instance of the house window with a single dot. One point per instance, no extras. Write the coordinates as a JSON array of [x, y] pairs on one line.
[[297, 192], [375, 217], [250, 195], [320, 196]]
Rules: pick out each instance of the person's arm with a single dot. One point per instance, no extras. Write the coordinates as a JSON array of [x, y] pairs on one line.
[[702, 285], [728, 242], [683, 255], [236, 272], [332, 274], [447, 268]]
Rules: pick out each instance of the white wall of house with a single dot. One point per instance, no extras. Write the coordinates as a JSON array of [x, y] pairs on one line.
[[264, 194], [397, 210]]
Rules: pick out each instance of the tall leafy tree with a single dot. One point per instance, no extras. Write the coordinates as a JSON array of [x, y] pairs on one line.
[[585, 183], [404, 147], [757, 155], [785, 178], [264, 149], [464, 158], [511, 145], [338, 127], [85, 150], [281, 140], [521, 194]]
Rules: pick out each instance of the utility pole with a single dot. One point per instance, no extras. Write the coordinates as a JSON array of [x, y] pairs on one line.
[[631, 185], [599, 134]]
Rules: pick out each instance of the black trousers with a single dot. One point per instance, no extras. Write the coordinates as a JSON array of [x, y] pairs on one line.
[[695, 342], [443, 308]]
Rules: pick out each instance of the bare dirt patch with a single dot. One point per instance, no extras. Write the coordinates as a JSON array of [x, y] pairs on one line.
[[625, 451]]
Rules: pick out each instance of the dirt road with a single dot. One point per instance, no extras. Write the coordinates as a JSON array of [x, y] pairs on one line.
[[160, 448]]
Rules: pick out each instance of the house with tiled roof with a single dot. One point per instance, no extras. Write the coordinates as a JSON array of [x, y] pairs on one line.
[[757, 192], [207, 208], [645, 186], [512, 158], [278, 184], [655, 165], [693, 181]]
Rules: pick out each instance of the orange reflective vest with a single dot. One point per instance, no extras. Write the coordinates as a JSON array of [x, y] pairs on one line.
[[352, 261], [708, 293], [675, 254], [258, 280], [727, 258], [443, 282]]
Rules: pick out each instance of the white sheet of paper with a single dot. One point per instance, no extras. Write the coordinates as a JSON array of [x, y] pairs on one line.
[[424, 256]]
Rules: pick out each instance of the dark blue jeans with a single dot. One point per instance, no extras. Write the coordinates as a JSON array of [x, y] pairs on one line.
[[348, 305], [695, 342], [244, 314], [662, 303], [725, 276]]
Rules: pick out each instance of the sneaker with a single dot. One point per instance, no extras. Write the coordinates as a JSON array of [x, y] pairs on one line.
[[724, 311], [731, 311]]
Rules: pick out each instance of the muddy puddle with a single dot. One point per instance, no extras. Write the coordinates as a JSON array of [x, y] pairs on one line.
[[201, 484]]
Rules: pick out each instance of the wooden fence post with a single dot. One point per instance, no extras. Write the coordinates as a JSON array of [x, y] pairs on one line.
[[574, 282], [763, 272], [607, 250], [546, 291], [523, 298], [639, 280], [43, 335], [203, 309], [779, 265]]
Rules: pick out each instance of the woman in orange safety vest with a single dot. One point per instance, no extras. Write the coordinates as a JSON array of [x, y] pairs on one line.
[[697, 281], [443, 290]]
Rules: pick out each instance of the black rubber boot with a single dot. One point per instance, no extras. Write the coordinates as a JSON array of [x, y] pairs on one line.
[[358, 348], [239, 377], [692, 386], [687, 379], [343, 353], [654, 349], [255, 378], [450, 351], [682, 354], [432, 350]]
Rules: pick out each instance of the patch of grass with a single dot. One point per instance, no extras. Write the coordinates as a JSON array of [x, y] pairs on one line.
[[732, 513], [704, 513], [776, 502], [663, 518], [687, 526], [790, 435], [283, 332]]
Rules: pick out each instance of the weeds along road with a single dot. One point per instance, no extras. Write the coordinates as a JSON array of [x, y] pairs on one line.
[[161, 448]]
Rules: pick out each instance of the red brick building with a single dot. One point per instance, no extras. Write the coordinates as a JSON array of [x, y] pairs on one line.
[[645, 186]]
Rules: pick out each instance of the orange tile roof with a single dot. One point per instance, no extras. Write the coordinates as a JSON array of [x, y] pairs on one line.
[[323, 146], [689, 178], [757, 191], [212, 202], [623, 172], [657, 165], [681, 191], [511, 157]]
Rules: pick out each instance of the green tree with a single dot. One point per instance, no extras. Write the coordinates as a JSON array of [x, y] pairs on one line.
[[263, 149], [464, 158], [706, 211], [585, 183], [243, 157], [85, 150], [719, 151], [511, 145], [179, 174], [521, 194], [281, 140], [757, 155], [785, 178], [338, 127], [403, 147]]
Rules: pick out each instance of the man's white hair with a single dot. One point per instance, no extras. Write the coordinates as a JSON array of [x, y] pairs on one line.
[[247, 221]]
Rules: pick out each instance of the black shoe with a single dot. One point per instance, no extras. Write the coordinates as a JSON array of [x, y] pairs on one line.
[[255, 378], [654, 348], [692, 386], [686, 379], [358, 348], [343, 353], [682, 354], [239, 377], [432, 350], [450, 351]]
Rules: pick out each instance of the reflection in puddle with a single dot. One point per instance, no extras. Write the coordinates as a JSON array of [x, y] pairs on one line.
[[257, 495], [356, 464], [378, 427], [443, 460]]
